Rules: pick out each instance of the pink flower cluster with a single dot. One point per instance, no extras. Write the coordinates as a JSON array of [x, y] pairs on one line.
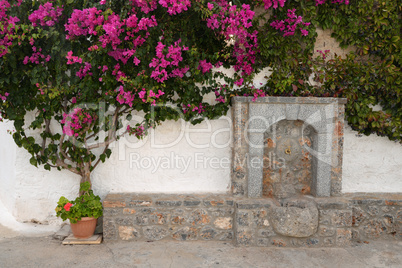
[[320, 2], [324, 54], [175, 6], [83, 22], [84, 70], [6, 28], [257, 93], [76, 121], [205, 66], [289, 25], [72, 59], [145, 6], [46, 14], [273, 3], [36, 57], [113, 29], [194, 108], [39, 88], [138, 131], [233, 24], [219, 97], [172, 59], [127, 97], [4, 98]]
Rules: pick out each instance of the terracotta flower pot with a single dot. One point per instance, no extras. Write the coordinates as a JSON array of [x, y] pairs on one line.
[[84, 228]]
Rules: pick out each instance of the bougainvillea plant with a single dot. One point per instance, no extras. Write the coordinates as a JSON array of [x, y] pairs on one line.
[[82, 68]]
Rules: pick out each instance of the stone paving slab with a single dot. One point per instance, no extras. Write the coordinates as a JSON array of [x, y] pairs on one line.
[[48, 252]]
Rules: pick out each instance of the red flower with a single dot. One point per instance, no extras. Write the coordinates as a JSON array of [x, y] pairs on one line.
[[67, 206]]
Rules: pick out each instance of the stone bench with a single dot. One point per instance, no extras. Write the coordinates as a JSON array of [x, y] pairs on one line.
[[253, 222]]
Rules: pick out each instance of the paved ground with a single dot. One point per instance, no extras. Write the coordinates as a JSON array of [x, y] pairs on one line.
[[44, 251]]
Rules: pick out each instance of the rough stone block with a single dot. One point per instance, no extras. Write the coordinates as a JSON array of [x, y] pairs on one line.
[[160, 218], [208, 233], [342, 218], [129, 211], [168, 203], [298, 218], [155, 232], [199, 216], [140, 201], [176, 219], [266, 232], [343, 237], [109, 229], [242, 218], [326, 231], [185, 233], [113, 204], [225, 236], [128, 232], [244, 238], [224, 223], [221, 211], [263, 242], [191, 201]]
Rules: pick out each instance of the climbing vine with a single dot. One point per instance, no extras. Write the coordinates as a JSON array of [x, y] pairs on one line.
[[83, 68]]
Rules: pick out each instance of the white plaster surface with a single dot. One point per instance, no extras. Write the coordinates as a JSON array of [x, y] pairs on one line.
[[371, 164], [177, 158]]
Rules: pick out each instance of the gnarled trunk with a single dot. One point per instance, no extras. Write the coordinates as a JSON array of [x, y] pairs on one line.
[[85, 176]]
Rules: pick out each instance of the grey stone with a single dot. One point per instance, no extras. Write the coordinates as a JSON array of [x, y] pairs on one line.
[[242, 219], [185, 233], [225, 236], [326, 231], [244, 237], [292, 111], [221, 211], [191, 202], [208, 233], [297, 218], [266, 232], [263, 242], [342, 218], [255, 176], [321, 166], [168, 203], [199, 216], [154, 233]]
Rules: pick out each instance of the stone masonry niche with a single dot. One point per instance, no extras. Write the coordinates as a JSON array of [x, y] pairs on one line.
[[287, 159], [285, 146]]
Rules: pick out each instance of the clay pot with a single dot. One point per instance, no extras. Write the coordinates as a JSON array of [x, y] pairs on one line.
[[85, 228]]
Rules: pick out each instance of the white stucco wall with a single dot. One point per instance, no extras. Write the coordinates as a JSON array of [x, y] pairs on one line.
[[7, 166], [371, 164]]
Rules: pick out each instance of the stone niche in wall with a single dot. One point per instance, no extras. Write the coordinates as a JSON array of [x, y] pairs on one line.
[[287, 146]]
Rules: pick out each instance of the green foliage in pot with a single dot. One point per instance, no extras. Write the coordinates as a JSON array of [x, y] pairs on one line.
[[86, 205]]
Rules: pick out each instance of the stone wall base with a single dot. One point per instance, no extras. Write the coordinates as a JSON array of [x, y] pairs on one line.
[[299, 222]]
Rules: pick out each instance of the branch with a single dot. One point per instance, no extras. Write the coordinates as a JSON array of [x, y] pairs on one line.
[[111, 133], [97, 161]]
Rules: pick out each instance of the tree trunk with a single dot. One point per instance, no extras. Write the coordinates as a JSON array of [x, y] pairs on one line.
[[85, 176]]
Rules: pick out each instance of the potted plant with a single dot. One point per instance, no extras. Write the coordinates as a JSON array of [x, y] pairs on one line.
[[82, 212]]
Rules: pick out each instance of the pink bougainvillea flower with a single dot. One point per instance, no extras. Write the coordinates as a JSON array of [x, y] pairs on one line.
[[67, 206]]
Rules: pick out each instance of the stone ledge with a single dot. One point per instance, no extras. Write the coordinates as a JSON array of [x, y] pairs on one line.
[[249, 222], [288, 100]]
